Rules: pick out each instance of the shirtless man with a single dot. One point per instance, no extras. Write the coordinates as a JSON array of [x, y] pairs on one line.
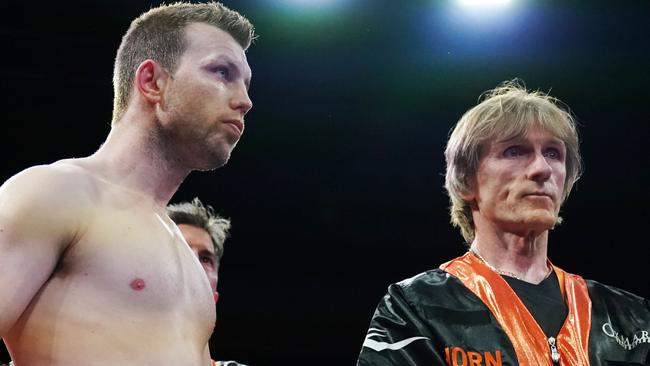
[[92, 270]]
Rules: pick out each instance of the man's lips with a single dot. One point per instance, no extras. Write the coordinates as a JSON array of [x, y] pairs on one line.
[[237, 124], [538, 194]]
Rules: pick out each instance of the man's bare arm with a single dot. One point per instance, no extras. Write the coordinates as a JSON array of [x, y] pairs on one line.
[[38, 218]]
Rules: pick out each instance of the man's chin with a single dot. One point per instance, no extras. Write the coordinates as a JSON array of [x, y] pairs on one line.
[[214, 161], [541, 222], [530, 223]]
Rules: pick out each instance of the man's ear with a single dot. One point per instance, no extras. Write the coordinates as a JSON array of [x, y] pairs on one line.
[[216, 297], [150, 81], [469, 194]]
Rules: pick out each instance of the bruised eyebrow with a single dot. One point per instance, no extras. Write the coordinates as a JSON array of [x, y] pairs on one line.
[[234, 66]]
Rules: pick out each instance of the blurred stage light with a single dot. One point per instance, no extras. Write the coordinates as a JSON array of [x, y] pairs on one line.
[[483, 4], [487, 14], [471, 30]]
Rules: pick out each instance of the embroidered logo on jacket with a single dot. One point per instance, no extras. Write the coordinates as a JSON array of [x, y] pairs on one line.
[[623, 341], [379, 345], [457, 356]]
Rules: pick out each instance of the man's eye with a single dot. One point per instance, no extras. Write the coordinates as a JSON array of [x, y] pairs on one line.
[[207, 260], [513, 151], [552, 154], [222, 71]]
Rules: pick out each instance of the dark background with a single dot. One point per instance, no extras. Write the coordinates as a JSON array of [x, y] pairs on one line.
[[335, 191]]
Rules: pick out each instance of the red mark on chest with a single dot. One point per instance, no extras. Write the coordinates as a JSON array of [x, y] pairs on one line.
[[138, 284]]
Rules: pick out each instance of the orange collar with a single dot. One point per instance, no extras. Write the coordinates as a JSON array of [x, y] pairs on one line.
[[528, 339]]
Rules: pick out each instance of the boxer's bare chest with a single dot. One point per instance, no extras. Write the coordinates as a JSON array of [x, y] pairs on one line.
[[135, 260], [127, 276]]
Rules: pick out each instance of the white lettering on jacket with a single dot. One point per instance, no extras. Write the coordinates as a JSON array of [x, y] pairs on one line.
[[624, 341]]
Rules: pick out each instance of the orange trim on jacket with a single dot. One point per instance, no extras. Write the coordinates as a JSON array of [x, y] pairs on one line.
[[527, 338]]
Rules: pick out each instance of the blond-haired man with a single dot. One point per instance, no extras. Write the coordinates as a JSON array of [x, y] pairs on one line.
[[511, 163], [92, 270]]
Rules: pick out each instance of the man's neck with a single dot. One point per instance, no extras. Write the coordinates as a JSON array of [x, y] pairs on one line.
[[134, 158], [523, 257]]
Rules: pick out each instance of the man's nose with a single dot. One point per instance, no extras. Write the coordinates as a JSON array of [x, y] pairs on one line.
[[539, 169], [241, 101]]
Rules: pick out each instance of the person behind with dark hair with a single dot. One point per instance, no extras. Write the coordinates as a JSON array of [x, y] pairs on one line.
[[107, 279], [512, 161], [205, 232]]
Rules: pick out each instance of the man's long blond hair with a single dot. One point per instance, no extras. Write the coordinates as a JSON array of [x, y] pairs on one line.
[[506, 112]]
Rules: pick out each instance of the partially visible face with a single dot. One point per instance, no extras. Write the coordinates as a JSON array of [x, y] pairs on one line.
[[201, 244], [519, 183], [206, 98]]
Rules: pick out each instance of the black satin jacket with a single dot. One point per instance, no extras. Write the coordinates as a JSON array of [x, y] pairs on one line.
[[434, 319]]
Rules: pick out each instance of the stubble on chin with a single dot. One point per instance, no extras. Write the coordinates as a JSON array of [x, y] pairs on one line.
[[214, 158], [539, 220], [522, 219]]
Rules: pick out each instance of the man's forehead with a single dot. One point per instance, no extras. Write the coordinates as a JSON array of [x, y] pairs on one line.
[[210, 43], [528, 135], [208, 38], [196, 236]]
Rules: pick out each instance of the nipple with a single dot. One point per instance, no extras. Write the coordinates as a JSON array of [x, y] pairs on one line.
[[137, 284]]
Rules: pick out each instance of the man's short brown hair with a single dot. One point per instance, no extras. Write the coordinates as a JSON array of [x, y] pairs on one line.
[[159, 35]]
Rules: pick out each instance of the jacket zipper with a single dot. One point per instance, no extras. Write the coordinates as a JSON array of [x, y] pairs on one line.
[[555, 354]]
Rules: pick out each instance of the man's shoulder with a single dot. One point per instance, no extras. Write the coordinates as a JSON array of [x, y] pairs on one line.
[[61, 176], [433, 277], [36, 192], [611, 294], [434, 287], [616, 311]]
